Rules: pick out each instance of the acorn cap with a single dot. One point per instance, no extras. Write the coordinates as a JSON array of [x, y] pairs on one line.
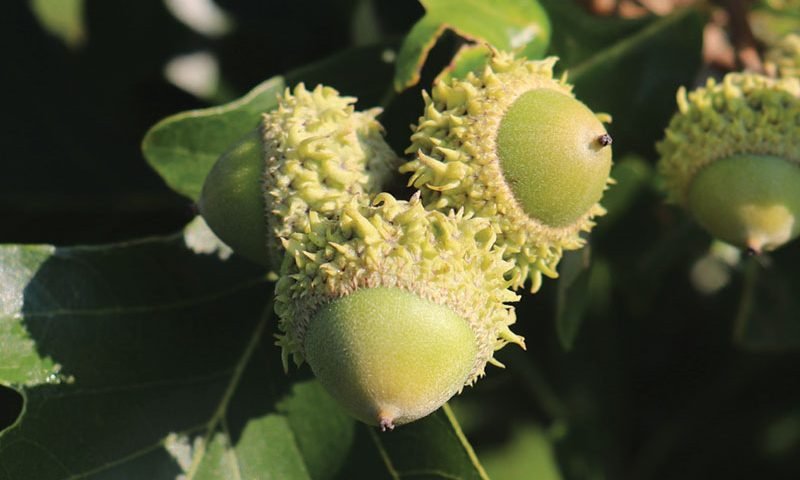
[[731, 155], [313, 152], [744, 114], [319, 153], [513, 145], [444, 260]]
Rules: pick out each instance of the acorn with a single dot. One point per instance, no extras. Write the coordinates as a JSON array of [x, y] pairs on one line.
[[731, 156], [394, 307], [512, 144], [313, 152]]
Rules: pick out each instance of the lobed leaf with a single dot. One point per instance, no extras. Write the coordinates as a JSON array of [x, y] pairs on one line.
[[513, 25]]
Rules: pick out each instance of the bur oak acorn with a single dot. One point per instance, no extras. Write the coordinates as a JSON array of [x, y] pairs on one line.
[[394, 307], [513, 145], [313, 152], [731, 156]]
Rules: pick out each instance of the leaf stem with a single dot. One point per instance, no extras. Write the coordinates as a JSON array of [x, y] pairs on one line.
[[751, 272], [464, 442], [630, 43], [384, 454], [236, 376]]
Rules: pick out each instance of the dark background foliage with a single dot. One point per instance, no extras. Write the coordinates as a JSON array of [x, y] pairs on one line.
[[635, 369]]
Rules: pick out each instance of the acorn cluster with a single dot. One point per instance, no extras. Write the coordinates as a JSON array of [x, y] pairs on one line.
[[397, 304]]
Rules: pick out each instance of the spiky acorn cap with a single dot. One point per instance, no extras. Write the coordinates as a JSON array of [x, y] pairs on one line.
[[731, 155], [313, 152], [320, 153], [513, 145], [746, 113], [784, 57], [446, 260]]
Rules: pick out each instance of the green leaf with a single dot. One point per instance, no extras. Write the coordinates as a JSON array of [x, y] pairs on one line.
[[468, 58], [62, 18], [528, 454], [514, 25], [151, 359], [182, 148], [632, 175]]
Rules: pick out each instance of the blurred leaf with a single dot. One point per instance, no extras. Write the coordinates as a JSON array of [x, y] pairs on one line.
[[572, 295], [631, 176], [600, 285], [782, 436], [770, 25], [517, 25], [528, 454], [784, 7], [182, 148], [365, 26], [362, 72], [62, 18], [630, 69], [768, 318], [85, 161], [578, 35]]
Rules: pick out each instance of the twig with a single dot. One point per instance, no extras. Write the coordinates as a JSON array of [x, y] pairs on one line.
[[744, 41]]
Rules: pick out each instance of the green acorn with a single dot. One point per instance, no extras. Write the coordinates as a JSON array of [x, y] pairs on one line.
[[731, 156], [313, 152], [513, 145], [395, 308]]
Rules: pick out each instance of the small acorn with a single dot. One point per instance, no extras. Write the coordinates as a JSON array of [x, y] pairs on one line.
[[731, 156], [313, 152], [513, 145], [394, 307]]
